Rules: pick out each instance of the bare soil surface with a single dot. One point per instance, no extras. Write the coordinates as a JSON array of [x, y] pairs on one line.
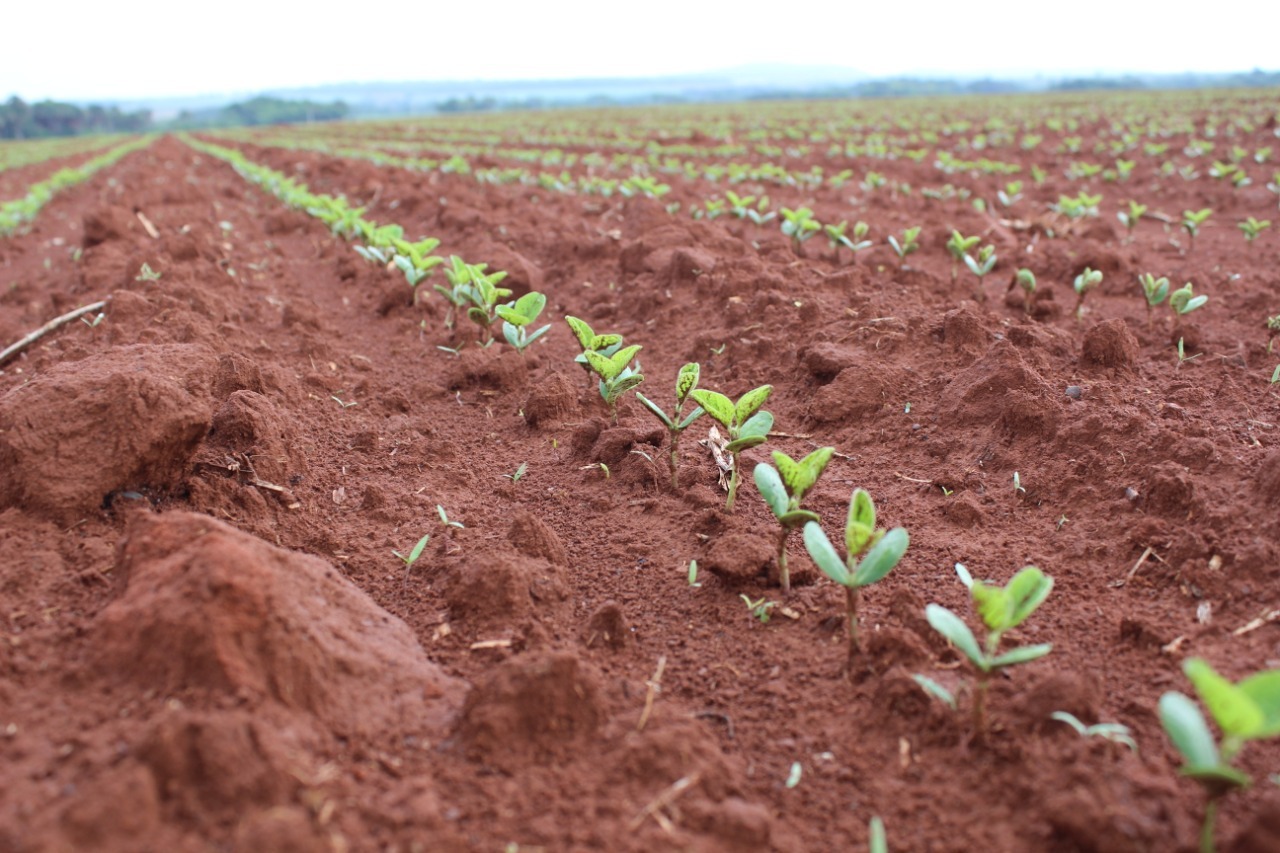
[[208, 644]]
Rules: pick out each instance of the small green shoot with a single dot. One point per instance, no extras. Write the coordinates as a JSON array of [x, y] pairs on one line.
[[1083, 283], [909, 243], [836, 235], [759, 609], [1017, 484], [1184, 301], [870, 554], [1244, 711], [1001, 609], [985, 262], [413, 555], [935, 690], [877, 841], [147, 274], [519, 473], [1251, 228], [617, 376], [606, 345], [517, 317], [1025, 279], [958, 246], [799, 225], [444, 519], [747, 425], [783, 489], [1192, 220], [1182, 353], [1114, 732], [794, 775], [686, 382], [693, 574], [342, 402], [1155, 290], [1130, 218]]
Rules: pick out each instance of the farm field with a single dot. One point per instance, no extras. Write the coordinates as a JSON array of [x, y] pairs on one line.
[[218, 633]]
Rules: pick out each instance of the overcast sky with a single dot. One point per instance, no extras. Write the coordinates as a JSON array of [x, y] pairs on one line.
[[77, 49]]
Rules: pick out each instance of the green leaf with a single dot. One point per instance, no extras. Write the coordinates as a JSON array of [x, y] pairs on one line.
[[740, 444], [586, 337], [791, 473], [796, 517], [1232, 709], [417, 549], [936, 690], [750, 402], [693, 416], [953, 628], [605, 343], [716, 405], [653, 408], [511, 315], [1002, 608], [1264, 689], [625, 383], [609, 367], [686, 381], [814, 464], [1188, 730], [530, 306], [771, 488], [1023, 654], [877, 842], [758, 424], [881, 559], [824, 554], [860, 525]]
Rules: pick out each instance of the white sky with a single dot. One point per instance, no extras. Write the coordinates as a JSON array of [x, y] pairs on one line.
[[91, 49]]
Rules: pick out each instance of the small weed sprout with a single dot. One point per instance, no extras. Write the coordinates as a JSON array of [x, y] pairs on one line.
[[693, 574], [1083, 283], [1155, 290], [1011, 194], [1001, 609], [1026, 280], [444, 519], [518, 316], [759, 609], [739, 205], [1114, 732], [686, 382], [870, 554], [1191, 222], [519, 473], [935, 690], [958, 247], [1184, 301], [1130, 218], [1182, 353], [747, 425], [783, 488], [985, 262], [910, 243], [413, 555], [1244, 711], [1017, 484], [1251, 228], [146, 273], [877, 841]]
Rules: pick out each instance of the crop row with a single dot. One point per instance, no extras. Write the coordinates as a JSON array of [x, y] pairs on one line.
[[29, 152]]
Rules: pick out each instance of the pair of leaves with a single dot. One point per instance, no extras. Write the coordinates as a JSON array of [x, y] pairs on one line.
[[686, 381], [784, 488], [589, 340], [734, 416], [1184, 301], [957, 632], [959, 245], [1005, 607], [610, 367], [1154, 289], [855, 573], [524, 310]]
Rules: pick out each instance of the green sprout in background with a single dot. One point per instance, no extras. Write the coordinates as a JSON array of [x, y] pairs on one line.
[[1155, 290], [1083, 283], [908, 245]]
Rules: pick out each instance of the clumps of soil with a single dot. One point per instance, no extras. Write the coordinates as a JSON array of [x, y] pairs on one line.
[[739, 557], [1110, 344], [533, 537], [607, 628], [1268, 477], [498, 368], [534, 708], [856, 393], [128, 419], [1169, 490], [963, 332], [552, 401], [825, 361], [249, 426], [503, 589], [976, 393], [209, 608]]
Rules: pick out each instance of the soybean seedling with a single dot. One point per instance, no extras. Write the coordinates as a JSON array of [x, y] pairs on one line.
[[910, 243], [1083, 283], [985, 262], [1114, 732], [606, 345], [783, 489], [1184, 301], [870, 554], [1155, 290], [1251, 228], [686, 381], [1244, 711], [836, 235], [759, 609], [413, 555], [415, 261], [799, 225], [1001, 608], [617, 376], [484, 296], [1026, 280], [518, 316], [747, 425], [1130, 218], [958, 246], [1191, 222]]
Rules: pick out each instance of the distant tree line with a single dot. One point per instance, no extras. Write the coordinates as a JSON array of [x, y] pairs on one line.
[[20, 120], [260, 111]]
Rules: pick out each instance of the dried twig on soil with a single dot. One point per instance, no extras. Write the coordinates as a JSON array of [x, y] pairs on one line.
[[655, 686], [663, 800], [716, 715], [146, 223], [716, 443], [1255, 624], [48, 327]]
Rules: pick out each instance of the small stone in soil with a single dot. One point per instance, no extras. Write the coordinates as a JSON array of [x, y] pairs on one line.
[[1074, 392]]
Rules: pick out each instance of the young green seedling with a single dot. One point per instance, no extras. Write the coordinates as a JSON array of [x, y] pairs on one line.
[[836, 235], [1011, 194], [484, 296], [519, 473], [877, 840], [1083, 283], [1114, 732], [1156, 290], [415, 261], [617, 376], [958, 247], [1251, 228], [147, 274], [759, 609], [686, 382], [908, 245], [1026, 280], [413, 555], [606, 345], [1001, 609], [746, 424], [799, 225], [1273, 329], [1244, 711], [783, 488], [1184, 301], [1129, 219], [870, 554], [984, 264], [517, 316], [739, 205], [1191, 222]]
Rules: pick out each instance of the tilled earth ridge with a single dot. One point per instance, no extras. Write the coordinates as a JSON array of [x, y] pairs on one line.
[[209, 644]]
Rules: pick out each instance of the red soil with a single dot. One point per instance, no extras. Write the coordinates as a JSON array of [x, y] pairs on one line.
[[208, 644]]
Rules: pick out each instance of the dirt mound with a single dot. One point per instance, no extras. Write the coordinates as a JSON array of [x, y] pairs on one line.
[[125, 420], [207, 607]]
